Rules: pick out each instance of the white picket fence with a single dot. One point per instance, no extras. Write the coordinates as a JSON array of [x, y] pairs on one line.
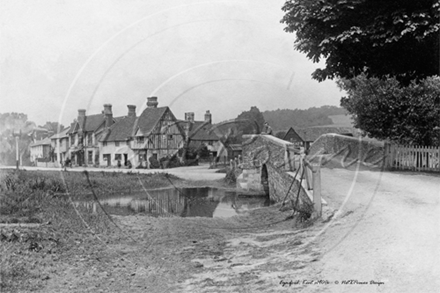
[[415, 158]]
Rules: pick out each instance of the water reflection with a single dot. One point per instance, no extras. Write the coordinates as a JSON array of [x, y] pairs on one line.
[[186, 202]]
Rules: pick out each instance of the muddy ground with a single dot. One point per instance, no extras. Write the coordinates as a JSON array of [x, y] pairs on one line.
[[380, 233], [250, 253]]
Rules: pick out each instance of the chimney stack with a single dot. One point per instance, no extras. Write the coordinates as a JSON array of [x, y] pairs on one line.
[[108, 115], [81, 118], [152, 102], [208, 117], [131, 110], [189, 116]]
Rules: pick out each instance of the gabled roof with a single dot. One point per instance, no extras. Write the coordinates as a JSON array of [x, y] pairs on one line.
[[293, 134], [45, 141], [199, 130], [149, 119], [73, 127], [93, 122], [121, 130], [61, 134]]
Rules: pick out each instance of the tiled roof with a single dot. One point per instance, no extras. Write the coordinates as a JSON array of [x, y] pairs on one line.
[[120, 130], [45, 141], [200, 131], [73, 127], [148, 119], [61, 134], [93, 122], [292, 134]]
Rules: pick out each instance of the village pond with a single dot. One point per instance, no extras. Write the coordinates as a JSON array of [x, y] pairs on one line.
[[181, 202]]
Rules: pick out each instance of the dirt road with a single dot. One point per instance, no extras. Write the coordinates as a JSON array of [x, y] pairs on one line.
[[387, 231]]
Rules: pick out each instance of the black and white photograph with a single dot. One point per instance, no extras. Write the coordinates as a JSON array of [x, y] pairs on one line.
[[219, 146]]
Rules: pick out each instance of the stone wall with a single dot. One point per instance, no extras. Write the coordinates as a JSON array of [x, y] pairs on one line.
[[269, 151], [260, 149], [345, 150], [282, 189]]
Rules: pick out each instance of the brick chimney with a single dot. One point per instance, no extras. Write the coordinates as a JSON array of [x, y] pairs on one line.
[[131, 110], [152, 102], [208, 117], [81, 118], [108, 115], [189, 116]]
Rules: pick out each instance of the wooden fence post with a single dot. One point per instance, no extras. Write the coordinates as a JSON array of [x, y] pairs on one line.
[[286, 158], [317, 189], [438, 159]]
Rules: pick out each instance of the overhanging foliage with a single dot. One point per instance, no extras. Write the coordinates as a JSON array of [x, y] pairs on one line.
[[385, 109], [376, 37]]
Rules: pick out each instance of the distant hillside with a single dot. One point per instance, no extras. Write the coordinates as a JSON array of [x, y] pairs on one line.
[[342, 120], [282, 119]]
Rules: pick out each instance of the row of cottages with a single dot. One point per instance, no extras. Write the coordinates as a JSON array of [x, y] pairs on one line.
[[156, 133], [54, 148], [104, 140]]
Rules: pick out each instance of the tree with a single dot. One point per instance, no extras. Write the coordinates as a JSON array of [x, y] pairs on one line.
[[280, 134], [53, 127], [10, 123], [384, 109], [255, 121], [376, 37], [283, 119]]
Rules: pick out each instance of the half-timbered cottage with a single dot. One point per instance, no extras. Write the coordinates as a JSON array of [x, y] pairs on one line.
[[156, 134]]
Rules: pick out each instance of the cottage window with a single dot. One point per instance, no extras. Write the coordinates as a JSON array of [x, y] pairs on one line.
[[140, 139], [117, 143], [117, 157], [104, 143], [89, 139], [90, 158]]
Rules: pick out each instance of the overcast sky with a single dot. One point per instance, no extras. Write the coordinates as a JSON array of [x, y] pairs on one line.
[[225, 56]]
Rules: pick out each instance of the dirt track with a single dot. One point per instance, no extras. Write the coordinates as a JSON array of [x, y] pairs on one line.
[[387, 232]]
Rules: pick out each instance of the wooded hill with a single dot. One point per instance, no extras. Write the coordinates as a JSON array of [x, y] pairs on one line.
[[283, 119]]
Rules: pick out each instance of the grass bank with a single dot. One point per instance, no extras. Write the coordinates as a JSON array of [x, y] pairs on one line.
[[63, 231]]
